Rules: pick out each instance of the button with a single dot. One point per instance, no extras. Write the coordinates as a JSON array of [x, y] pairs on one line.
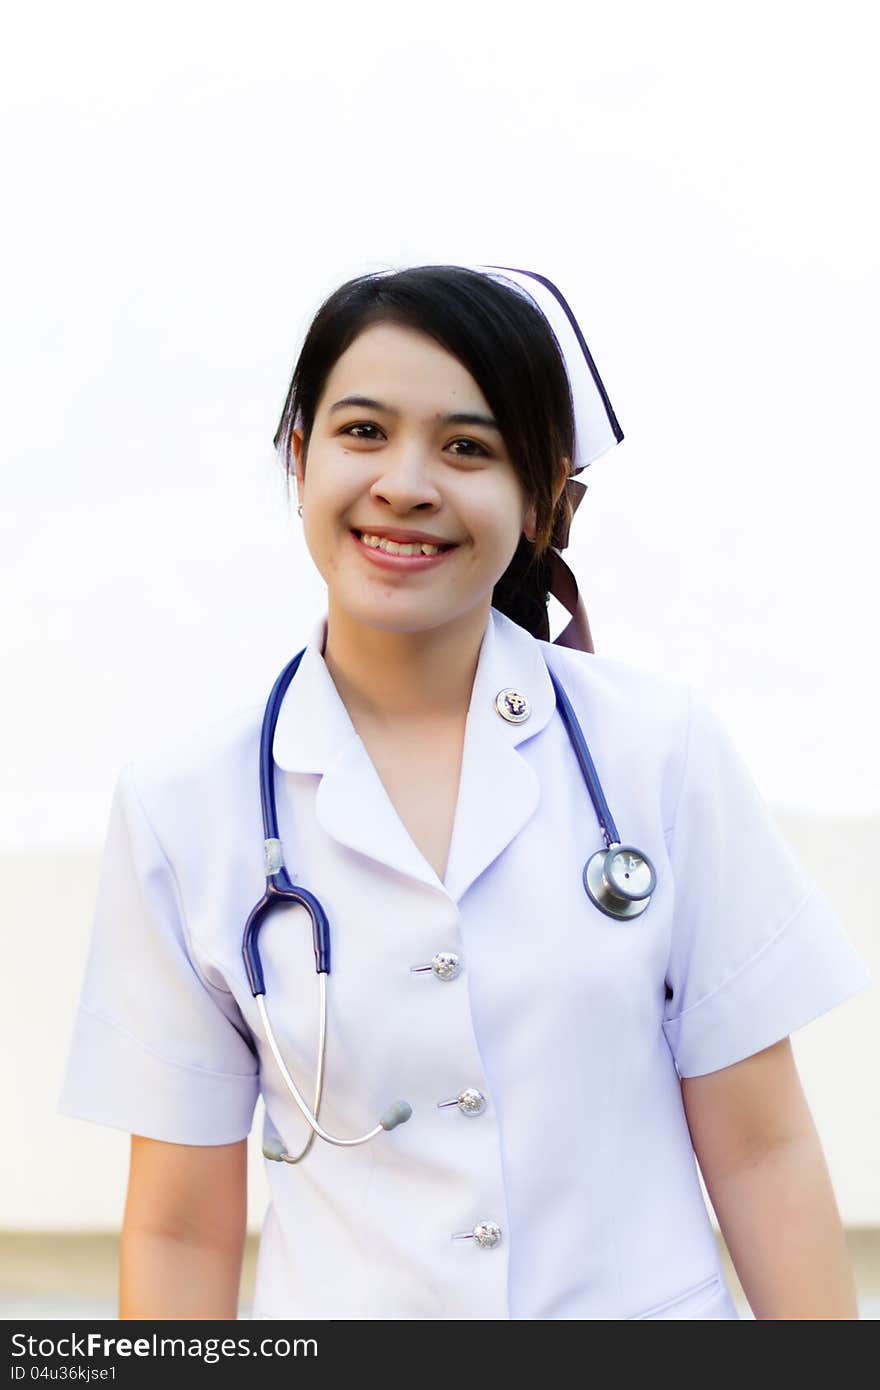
[[485, 1233], [445, 965], [470, 1101], [512, 705]]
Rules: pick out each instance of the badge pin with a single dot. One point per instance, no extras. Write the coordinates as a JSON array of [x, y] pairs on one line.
[[512, 705]]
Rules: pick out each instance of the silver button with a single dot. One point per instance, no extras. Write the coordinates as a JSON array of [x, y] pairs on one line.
[[485, 1233], [470, 1101], [512, 705], [445, 965]]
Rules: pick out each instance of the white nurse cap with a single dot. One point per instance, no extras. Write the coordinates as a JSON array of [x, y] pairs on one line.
[[596, 430]]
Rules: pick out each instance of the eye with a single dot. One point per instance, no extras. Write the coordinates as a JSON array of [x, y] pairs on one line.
[[481, 447], [367, 425], [361, 425]]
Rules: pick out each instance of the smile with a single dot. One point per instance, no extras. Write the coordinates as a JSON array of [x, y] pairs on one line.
[[388, 560]]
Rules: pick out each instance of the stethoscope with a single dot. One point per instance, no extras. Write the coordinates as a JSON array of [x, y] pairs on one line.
[[619, 879]]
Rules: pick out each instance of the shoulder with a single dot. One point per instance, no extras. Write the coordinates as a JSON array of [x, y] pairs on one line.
[[649, 702], [635, 720], [198, 770]]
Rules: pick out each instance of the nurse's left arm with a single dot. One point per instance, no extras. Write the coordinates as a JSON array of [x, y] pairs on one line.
[[765, 1172]]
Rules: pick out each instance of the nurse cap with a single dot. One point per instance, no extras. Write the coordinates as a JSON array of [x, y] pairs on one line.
[[596, 431]]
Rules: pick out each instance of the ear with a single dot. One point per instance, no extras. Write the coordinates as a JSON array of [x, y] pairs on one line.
[[530, 520], [296, 441], [530, 523]]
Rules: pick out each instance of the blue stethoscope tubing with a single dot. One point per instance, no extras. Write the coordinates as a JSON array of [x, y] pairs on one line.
[[618, 879]]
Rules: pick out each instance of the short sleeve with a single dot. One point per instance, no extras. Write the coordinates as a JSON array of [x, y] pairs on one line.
[[156, 1049], [756, 949]]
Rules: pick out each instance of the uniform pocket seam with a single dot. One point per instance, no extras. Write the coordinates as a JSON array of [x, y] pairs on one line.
[[709, 1285]]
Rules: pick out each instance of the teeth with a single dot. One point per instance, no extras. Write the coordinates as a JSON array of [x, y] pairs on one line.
[[398, 548]]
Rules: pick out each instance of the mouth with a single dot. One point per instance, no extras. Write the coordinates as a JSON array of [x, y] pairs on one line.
[[393, 560]]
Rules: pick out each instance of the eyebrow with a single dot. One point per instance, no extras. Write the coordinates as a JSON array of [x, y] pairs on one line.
[[461, 418]]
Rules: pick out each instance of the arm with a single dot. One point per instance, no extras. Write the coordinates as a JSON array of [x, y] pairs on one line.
[[183, 1231], [765, 1172]]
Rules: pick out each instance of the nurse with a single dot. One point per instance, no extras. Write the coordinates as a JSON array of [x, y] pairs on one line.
[[566, 1070]]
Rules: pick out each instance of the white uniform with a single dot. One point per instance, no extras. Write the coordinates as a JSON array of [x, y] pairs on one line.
[[559, 1015]]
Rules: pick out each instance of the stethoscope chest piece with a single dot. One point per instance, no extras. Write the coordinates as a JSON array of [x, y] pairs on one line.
[[620, 881]]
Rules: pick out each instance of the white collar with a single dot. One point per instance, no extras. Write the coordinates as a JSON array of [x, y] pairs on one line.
[[499, 791]]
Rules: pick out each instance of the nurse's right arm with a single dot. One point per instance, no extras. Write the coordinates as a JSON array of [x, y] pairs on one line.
[[183, 1231]]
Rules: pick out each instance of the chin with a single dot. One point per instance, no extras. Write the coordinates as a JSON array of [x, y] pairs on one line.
[[392, 612]]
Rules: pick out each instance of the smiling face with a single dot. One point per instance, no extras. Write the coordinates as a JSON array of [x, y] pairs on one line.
[[398, 466]]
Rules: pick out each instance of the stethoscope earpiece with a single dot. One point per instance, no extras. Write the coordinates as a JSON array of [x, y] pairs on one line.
[[274, 1149], [620, 881]]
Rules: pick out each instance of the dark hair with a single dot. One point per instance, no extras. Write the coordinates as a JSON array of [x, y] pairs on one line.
[[509, 348]]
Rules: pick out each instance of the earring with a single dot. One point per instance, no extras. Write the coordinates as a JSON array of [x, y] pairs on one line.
[[299, 508]]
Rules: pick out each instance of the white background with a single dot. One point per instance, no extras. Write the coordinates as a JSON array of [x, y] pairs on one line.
[[184, 183]]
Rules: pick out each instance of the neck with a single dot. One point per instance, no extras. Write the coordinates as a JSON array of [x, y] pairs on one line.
[[386, 676]]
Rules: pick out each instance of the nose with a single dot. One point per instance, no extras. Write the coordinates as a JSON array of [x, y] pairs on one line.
[[405, 478]]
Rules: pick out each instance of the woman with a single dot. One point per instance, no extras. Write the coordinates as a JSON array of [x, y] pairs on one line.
[[561, 1066]]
